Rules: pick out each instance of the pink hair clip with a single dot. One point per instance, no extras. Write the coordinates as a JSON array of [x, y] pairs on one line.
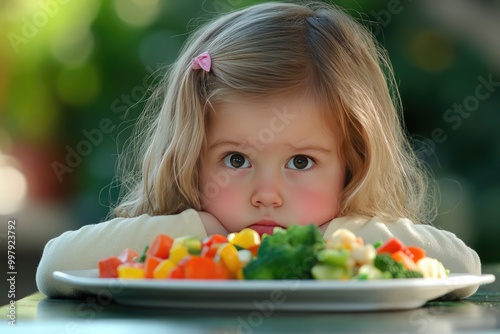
[[202, 61]]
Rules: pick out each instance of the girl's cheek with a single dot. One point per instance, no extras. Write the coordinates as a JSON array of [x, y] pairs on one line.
[[227, 207], [315, 206], [224, 197]]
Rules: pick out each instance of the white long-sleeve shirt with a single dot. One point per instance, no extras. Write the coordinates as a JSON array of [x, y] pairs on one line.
[[83, 248]]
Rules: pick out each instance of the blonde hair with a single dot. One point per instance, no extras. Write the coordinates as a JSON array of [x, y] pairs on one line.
[[279, 48]]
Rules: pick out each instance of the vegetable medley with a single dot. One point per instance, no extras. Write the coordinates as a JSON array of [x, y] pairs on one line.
[[299, 252]]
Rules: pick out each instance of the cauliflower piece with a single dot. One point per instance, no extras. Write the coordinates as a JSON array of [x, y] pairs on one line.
[[368, 271], [431, 268], [364, 254], [343, 238]]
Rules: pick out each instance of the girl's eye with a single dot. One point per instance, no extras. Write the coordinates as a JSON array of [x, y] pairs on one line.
[[300, 162], [236, 160]]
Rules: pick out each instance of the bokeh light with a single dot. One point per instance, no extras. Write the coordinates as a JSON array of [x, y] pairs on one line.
[[5, 141], [16, 10], [431, 51], [137, 13], [13, 187], [73, 45]]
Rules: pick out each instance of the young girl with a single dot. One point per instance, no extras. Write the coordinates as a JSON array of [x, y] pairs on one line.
[[273, 115]]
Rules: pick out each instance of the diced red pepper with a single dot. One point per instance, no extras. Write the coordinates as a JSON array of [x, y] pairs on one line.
[[108, 267], [214, 239], [414, 253], [150, 265], [177, 273], [211, 244], [209, 251], [160, 247], [128, 255], [391, 246]]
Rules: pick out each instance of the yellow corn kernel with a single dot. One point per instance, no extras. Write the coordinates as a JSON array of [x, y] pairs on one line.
[[246, 238], [229, 256], [164, 268], [125, 271], [177, 254], [240, 275]]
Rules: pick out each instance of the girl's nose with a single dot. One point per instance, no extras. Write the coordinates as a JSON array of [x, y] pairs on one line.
[[267, 192]]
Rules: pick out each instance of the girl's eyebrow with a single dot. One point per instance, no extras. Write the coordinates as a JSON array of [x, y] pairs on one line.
[[309, 148], [249, 144], [218, 143]]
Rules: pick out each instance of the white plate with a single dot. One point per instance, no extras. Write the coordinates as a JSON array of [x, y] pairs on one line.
[[296, 295]]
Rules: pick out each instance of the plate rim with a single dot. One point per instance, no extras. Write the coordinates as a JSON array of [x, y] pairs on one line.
[[310, 296], [456, 280]]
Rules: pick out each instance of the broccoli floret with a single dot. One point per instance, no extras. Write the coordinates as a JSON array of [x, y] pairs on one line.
[[385, 263], [287, 254], [328, 272], [334, 257], [410, 274]]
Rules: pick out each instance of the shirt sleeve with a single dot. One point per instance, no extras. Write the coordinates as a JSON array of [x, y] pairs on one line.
[[442, 245], [82, 249]]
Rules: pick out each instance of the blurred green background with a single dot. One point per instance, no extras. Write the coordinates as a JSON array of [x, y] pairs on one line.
[[74, 76]]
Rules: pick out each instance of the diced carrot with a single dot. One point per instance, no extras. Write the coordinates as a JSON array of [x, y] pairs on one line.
[[128, 255], [221, 271], [107, 267], [160, 247], [414, 253], [391, 246], [150, 265], [176, 273], [407, 262], [197, 267], [254, 250]]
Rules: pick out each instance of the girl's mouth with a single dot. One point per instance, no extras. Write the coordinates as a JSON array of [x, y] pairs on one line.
[[264, 226]]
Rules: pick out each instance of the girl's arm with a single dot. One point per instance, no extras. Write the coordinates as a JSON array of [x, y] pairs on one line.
[[442, 245], [212, 225], [82, 249]]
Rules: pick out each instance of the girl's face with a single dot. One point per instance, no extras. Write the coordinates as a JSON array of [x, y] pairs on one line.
[[270, 164]]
